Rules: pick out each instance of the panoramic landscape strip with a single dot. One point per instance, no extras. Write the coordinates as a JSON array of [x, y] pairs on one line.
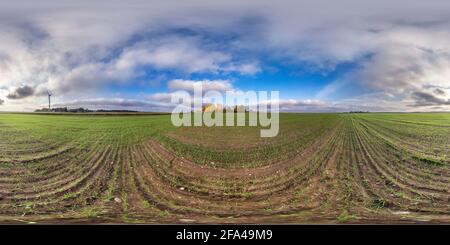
[[232, 120]]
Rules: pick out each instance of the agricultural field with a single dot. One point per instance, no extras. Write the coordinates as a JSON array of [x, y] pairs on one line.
[[321, 168]]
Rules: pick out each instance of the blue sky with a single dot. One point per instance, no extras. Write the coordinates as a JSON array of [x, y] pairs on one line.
[[292, 82], [133, 55]]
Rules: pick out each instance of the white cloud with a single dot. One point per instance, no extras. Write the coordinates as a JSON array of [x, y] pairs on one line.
[[245, 68], [162, 97], [298, 105], [409, 58], [173, 53], [179, 85], [331, 88], [224, 87], [206, 85]]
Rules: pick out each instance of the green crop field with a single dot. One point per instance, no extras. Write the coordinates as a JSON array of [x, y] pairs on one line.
[[321, 168]]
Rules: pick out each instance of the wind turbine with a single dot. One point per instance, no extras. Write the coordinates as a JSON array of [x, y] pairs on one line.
[[49, 95]]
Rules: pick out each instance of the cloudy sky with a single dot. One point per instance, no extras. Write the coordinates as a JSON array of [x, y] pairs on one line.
[[321, 55]]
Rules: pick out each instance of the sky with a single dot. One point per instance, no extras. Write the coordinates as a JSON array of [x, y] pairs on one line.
[[322, 56]]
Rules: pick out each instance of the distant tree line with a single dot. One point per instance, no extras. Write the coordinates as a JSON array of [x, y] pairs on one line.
[[77, 110], [359, 112]]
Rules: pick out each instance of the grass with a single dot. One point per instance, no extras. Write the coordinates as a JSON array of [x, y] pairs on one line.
[[91, 212], [68, 196], [81, 131], [243, 146], [345, 217], [75, 166]]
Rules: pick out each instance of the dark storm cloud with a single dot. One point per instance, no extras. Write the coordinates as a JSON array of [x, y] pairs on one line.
[[428, 99], [439, 91], [21, 92], [1, 102]]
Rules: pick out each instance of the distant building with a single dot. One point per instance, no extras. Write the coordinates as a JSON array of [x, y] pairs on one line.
[[209, 107], [212, 107]]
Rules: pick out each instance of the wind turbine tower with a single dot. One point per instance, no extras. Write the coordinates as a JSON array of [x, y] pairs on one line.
[[49, 95]]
